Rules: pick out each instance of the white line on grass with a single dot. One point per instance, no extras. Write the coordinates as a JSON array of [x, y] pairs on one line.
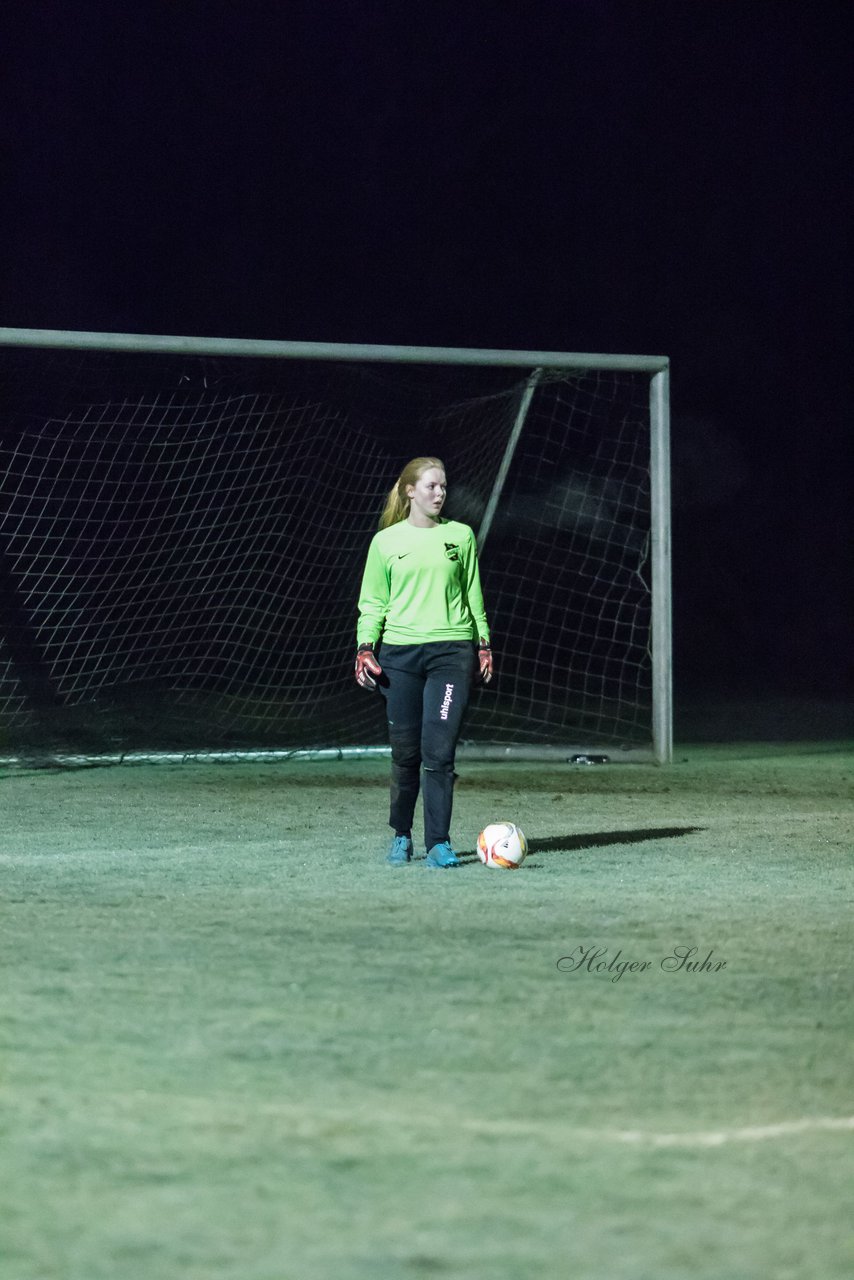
[[719, 1137], [696, 1138], [312, 1122]]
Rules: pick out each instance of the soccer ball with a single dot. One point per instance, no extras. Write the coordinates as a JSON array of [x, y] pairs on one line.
[[502, 844]]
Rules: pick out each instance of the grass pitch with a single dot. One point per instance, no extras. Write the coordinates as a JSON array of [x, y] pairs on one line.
[[236, 1045]]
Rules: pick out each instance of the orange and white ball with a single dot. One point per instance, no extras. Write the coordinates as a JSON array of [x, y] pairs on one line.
[[502, 844]]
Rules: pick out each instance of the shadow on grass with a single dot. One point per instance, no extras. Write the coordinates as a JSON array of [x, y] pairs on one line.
[[592, 840]]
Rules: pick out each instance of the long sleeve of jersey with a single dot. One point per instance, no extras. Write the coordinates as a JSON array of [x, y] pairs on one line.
[[422, 585]]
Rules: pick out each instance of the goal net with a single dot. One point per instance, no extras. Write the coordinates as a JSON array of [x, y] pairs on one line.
[[183, 526]]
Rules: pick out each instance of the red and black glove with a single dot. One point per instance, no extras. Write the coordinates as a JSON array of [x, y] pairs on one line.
[[367, 667], [484, 661]]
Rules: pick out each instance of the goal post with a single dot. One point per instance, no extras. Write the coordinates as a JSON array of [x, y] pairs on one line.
[[660, 550], [183, 523]]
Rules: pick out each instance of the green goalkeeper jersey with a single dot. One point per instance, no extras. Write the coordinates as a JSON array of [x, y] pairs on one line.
[[422, 585]]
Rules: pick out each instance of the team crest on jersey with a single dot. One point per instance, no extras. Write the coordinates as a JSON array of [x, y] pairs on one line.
[[452, 551]]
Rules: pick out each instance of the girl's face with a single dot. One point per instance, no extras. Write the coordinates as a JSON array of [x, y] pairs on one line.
[[427, 495]]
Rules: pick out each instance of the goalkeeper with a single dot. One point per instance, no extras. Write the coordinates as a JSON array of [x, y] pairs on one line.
[[422, 636]]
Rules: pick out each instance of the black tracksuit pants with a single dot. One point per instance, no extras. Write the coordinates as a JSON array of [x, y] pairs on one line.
[[426, 689]]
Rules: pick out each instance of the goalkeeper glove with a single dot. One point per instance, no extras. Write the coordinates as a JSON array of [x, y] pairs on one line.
[[367, 667], [484, 660]]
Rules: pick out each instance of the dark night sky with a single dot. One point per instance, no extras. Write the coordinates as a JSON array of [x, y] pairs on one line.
[[657, 177]]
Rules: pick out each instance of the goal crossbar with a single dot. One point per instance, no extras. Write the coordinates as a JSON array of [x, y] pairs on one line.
[[261, 348]]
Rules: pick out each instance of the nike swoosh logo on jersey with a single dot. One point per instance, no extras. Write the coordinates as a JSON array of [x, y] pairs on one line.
[[403, 557]]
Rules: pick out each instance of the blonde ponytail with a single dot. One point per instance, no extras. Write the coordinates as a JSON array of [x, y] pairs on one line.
[[397, 502]]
